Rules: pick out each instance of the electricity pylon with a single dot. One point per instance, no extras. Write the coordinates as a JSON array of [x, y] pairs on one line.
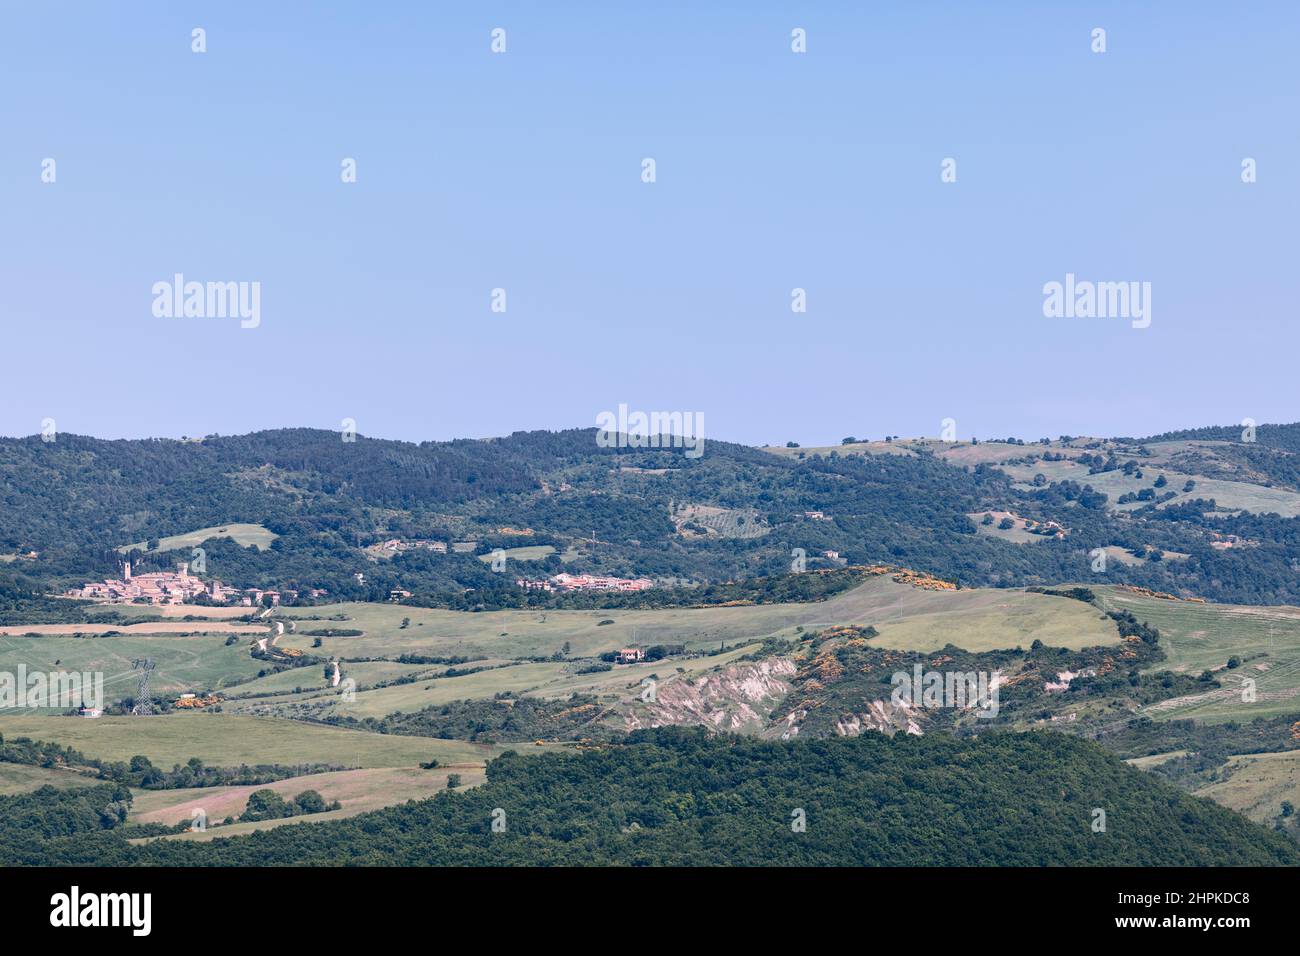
[[143, 700]]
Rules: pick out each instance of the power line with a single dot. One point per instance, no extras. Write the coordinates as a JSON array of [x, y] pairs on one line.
[[143, 699]]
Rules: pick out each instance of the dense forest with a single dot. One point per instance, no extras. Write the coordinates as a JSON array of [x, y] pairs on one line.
[[678, 797], [1282, 437], [505, 718]]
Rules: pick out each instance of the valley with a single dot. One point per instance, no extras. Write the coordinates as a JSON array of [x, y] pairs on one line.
[[373, 673]]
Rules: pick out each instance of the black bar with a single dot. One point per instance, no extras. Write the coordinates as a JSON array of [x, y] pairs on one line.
[[336, 904]]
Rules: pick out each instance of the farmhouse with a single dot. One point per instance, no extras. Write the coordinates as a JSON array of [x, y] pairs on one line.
[[536, 584], [1051, 529], [630, 655]]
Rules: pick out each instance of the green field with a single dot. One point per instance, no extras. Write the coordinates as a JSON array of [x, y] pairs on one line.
[[135, 629], [226, 613], [1228, 495], [245, 535], [183, 663], [20, 778], [358, 791], [550, 679], [1127, 557], [976, 618], [1155, 760], [1200, 637], [1016, 534], [1256, 784], [990, 620], [225, 740], [532, 552], [906, 618], [313, 678], [711, 521], [958, 453]]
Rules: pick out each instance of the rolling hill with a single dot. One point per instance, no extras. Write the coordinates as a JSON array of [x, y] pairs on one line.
[[300, 508], [1136, 598], [674, 798]]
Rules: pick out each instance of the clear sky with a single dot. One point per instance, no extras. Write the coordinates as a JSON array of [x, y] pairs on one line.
[[523, 171]]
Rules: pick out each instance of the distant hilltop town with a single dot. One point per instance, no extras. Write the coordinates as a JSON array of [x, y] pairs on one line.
[[174, 587], [584, 582]]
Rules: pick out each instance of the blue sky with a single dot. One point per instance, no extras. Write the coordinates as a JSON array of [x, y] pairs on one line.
[[522, 171]]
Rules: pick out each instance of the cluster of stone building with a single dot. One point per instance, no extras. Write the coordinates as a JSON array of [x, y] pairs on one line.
[[175, 587], [584, 582]]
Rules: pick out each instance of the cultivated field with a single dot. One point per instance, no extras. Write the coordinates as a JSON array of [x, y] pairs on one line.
[[906, 617], [532, 552], [1167, 458], [226, 740], [20, 778], [1200, 637], [977, 619], [710, 521], [989, 620], [183, 664], [358, 791], [149, 627], [1256, 784], [216, 613], [1155, 760], [550, 679], [1228, 495], [313, 678]]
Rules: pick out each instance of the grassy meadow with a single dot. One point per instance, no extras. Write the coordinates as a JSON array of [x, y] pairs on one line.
[[1200, 637], [228, 740], [244, 535], [188, 663], [977, 619]]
